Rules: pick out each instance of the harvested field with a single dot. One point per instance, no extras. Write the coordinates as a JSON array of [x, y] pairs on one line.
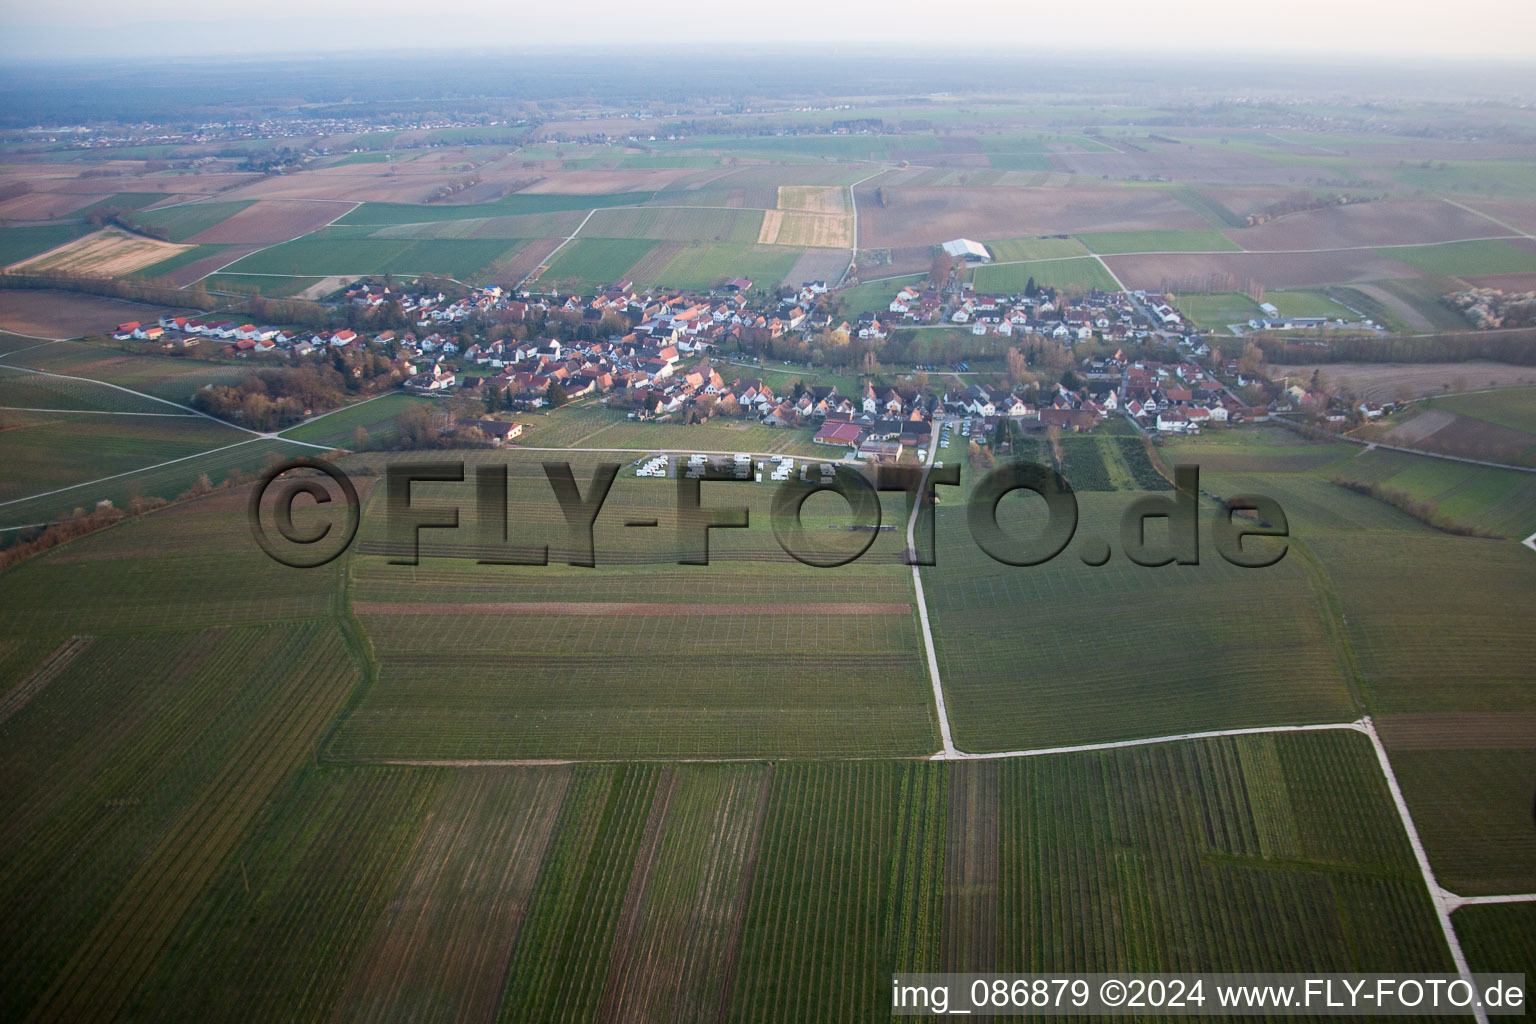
[[817, 265], [56, 314], [814, 199], [1379, 223], [926, 216], [626, 608], [912, 259], [105, 253], [323, 287], [272, 221], [782, 227], [1182, 272], [1467, 730], [1380, 382]]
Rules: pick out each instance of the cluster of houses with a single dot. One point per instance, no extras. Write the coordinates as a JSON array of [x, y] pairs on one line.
[[1110, 316], [1181, 398], [241, 338], [648, 353], [433, 310]]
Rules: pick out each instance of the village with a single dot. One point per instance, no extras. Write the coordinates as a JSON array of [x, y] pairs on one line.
[[675, 357]]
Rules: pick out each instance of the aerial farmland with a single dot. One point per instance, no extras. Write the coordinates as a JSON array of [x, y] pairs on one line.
[[677, 655]]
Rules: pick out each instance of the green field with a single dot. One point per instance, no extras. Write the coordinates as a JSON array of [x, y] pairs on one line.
[[375, 416], [1499, 938], [166, 482], [1514, 408], [182, 222], [18, 244], [362, 158], [516, 203], [1498, 501], [1012, 249], [492, 783], [676, 225], [1069, 274], [555, 224], [1215, 310], [1014, 643], [1308, 304], [596, 262], [1113, 242], [1472, 177], [171, 378], [318, 835], [588, 425], [627, 702], [875, 296], [48, 451], [1466, 259], [319, 256], [704, 265]]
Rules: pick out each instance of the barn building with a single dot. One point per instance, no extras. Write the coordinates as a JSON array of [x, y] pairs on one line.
[[965, 249]]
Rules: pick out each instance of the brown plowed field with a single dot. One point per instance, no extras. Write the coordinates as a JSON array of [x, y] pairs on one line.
[[1384, 223], [628, 608], [1505, 282], [1464, 730], [818, 265], [46, 205], [1182, 163], [1283, 270], [346, 182], [272, 221], [526, 259], [183, 276], [593, 182], [1516, 213], [51, 314], [926, 216], [1379, 382]]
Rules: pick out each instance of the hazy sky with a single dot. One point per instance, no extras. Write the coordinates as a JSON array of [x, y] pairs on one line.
[[1503, 29]]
